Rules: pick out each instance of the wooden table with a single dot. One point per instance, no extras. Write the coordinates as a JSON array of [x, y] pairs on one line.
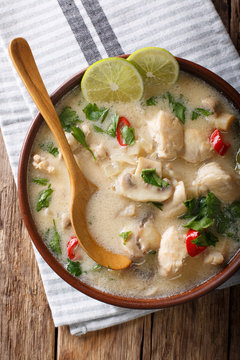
[[205, 329]]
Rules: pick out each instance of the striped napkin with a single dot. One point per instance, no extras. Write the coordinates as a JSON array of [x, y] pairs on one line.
[[66, 36]]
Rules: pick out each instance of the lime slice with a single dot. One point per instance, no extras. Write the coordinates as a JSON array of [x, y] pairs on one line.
[[112, 79], [156, 65]]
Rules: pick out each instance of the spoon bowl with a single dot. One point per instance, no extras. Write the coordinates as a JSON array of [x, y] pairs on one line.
[[81, 188]]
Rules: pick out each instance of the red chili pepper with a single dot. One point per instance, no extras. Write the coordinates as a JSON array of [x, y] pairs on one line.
[[72, 245], [218, 144], [193, 249], [121, 123]]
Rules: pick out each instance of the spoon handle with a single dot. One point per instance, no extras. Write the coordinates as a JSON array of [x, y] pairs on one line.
[[26, 67]]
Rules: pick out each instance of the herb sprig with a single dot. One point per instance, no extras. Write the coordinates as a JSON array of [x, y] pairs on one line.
[[50, 148], [151, 177], [44, 198]]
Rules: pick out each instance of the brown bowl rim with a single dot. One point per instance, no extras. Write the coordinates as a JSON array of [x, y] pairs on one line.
[[199, 71]]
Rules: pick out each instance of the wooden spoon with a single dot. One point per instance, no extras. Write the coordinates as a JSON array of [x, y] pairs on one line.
[[81, 188]]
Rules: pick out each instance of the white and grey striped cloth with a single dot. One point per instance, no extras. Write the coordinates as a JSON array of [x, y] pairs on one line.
[[66, 36]]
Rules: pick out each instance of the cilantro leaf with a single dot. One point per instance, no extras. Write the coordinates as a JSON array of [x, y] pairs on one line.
[[98, 129], [199, 224], [69, 118], [94, 113], [50, 148], [54, 243], [178, 108], [125, 236], [151, 101], [74, 267], [112, 128], [80, 137], [44, 198], [40, 181], [200, 112], [97, 267], [157, 205], [151, 177], [128, 135], [206, 238]]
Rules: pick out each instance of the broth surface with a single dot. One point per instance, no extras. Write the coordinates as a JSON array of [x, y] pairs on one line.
[[112, 210]]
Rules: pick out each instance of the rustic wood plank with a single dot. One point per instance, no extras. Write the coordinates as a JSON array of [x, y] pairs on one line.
[[234, 330], [26, 329], [122, 342], [196, 331], [235, 23], [223, 9]]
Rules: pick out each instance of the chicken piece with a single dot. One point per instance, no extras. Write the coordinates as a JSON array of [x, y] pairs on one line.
[[197, 146], [148, 237], [39, 162], [175, 205], [167, 131], [223, 121], [133, 187], [172, 252], [100, 151], [66, 222], [213, 178], [74, 144], [144, 163], [213, 257], [128, 211], [212, 104]]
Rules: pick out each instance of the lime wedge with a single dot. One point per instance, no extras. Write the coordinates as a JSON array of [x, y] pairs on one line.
[[156, 65], [112, 79]]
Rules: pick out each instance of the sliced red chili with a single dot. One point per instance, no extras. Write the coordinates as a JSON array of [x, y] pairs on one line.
[[218, 144], [72, 246], [193, 249], [121, 123]]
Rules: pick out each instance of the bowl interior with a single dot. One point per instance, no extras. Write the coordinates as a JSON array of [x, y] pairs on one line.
[[231, 94]]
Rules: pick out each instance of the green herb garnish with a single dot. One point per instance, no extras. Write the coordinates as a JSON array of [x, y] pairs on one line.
[[44, 198], [69, 118], [54, 243], [199, 111], [178, 108], [125, 236], [97, 267], [112, 128], [128, 135], [151, 177], [94, 113], [40, 181], [151, 101], [151, 252], [208, 211], [49, 147], [74, 267], [206, 238], [80, 137], [98, 129]]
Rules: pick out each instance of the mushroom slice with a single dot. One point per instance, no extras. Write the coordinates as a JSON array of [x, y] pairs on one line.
[[212, 103], [144, 163], [133, 187], [223, 121]]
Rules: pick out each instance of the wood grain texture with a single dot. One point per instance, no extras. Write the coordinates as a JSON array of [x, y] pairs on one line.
[[235, 23], [26, 329]]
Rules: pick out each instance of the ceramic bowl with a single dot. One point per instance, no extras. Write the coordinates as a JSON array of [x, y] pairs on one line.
[[231, 94]]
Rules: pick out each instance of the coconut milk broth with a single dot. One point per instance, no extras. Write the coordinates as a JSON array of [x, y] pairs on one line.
[[142, 279]]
